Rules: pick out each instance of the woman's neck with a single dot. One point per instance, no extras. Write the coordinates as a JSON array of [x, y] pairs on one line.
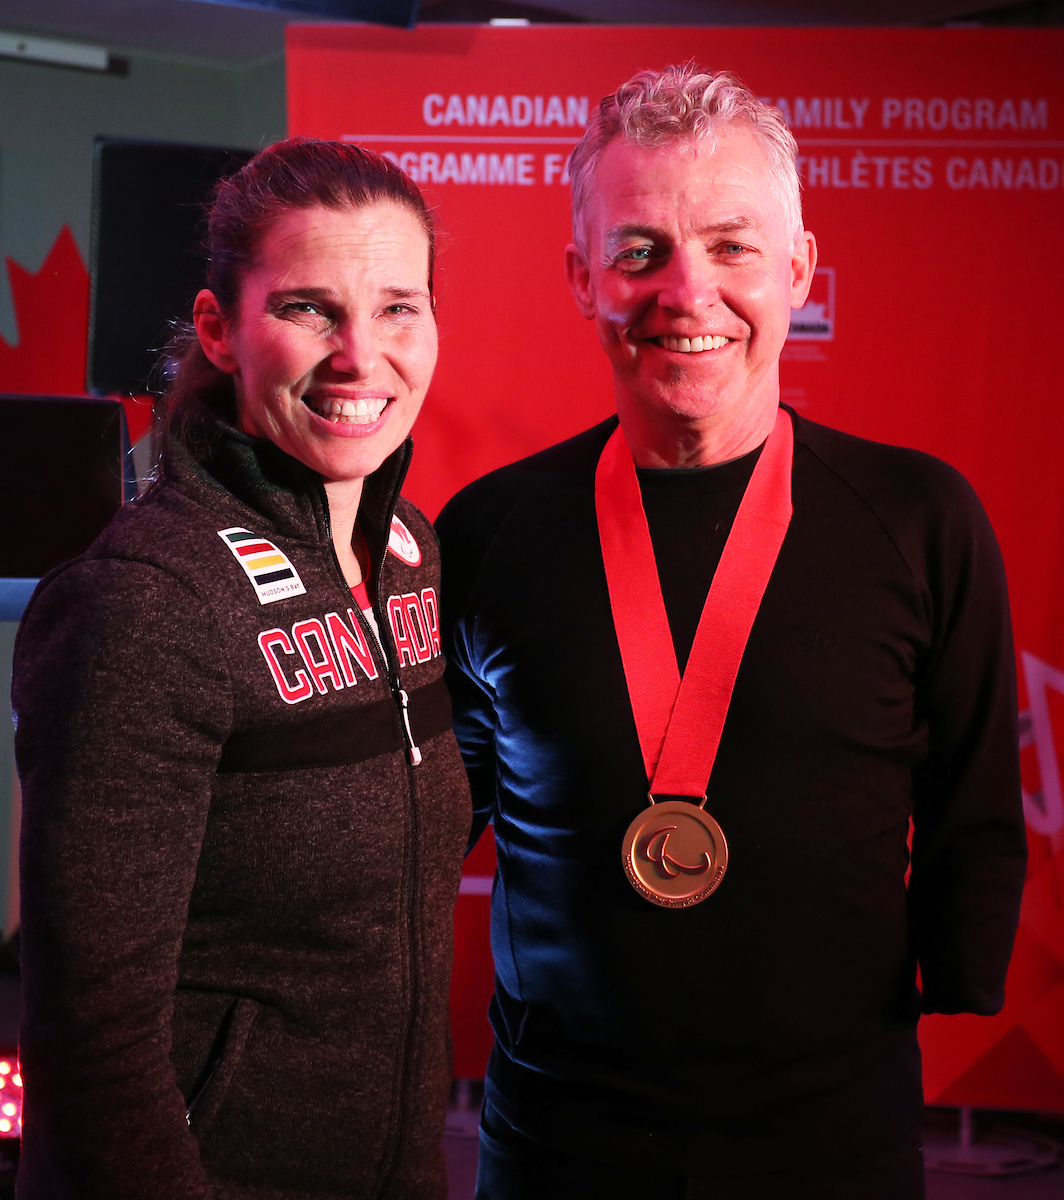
[[344, 499]]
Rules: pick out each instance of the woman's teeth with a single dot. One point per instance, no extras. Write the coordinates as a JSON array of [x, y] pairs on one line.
[[693, 345], [347, 412]]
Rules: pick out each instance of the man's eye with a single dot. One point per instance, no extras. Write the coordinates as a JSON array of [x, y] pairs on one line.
[[734, 248], [635, 254]]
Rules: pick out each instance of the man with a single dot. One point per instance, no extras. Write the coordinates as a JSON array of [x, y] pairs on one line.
[[711, 991]]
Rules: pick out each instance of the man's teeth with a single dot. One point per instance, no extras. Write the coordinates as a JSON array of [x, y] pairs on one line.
[[693, 345], [347, 412]]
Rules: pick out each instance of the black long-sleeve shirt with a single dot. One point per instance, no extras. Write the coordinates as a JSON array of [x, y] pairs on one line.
[[774, 1022]]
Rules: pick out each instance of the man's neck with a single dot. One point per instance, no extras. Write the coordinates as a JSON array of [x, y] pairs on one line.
[[706, 442]]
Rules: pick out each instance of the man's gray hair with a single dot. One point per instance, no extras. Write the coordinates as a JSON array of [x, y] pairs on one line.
[[683, 102]]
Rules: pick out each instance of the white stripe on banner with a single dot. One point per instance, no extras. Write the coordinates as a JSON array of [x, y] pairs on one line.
[[464, 140]]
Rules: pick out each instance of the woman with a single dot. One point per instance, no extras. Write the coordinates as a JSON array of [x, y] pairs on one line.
[[244, 812]]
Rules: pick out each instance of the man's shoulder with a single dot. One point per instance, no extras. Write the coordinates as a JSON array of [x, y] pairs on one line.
[[485, 504], [890, 479]]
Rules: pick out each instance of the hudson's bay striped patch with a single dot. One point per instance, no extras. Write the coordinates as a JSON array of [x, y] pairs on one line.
[[270, 572]]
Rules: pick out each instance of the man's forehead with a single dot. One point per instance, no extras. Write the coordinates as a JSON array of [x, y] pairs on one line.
[[722, 184]]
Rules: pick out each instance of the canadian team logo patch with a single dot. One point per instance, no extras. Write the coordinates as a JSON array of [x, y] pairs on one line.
[[401, 543], [272, 575]]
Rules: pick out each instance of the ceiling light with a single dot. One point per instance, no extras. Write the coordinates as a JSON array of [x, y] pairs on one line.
[[56, 53]]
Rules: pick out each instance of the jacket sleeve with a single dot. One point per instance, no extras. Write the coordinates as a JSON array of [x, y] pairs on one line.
[[121, 704], [969, 841]]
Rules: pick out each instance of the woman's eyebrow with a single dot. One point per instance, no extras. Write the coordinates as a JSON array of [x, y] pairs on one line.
[[405, 293], [298, 293], [396, 291]]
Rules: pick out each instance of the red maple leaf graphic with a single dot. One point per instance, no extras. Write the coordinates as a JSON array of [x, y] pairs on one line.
[[52, 313]]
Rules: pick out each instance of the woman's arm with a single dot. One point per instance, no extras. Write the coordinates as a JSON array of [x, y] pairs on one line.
[[121, 702]]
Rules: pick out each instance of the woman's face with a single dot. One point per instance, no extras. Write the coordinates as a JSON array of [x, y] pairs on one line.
[[333, 342]]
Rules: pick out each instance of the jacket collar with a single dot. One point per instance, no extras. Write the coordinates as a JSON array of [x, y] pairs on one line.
[[250, 478]]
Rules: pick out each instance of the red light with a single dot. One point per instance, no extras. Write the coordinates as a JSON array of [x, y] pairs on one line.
[[11, 1108]]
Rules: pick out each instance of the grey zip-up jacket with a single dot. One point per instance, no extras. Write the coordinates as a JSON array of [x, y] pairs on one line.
[[237, 886]]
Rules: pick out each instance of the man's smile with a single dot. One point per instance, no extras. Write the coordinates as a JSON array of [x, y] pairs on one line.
[[694, 345]]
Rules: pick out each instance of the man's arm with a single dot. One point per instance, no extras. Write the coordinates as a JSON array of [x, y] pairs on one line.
[[969, 843], [475, 718]]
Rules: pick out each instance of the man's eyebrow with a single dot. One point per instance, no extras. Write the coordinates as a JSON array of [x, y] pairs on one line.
[[732, 225], [624, 233]]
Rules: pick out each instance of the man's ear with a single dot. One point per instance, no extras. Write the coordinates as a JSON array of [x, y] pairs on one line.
[[211, 331], [579, 281], [803, 264]]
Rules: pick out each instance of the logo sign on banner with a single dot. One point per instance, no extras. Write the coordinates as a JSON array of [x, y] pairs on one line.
[[815, 320], [932, 163]]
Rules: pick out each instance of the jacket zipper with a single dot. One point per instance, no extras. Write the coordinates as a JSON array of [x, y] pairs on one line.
[[413, 749], [399, 694], [413, 948], [414, 757], [413, 752]]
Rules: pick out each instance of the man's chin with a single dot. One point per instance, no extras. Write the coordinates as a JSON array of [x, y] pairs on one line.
[[689, 403]]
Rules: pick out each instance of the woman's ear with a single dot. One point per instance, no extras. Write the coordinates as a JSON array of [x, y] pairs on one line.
[[211, 331]]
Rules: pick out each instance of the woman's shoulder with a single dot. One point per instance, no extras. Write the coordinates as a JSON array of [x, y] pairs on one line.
[[155, 544]]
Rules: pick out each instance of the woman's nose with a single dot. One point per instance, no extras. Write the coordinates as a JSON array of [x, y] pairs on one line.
[[354, 349]]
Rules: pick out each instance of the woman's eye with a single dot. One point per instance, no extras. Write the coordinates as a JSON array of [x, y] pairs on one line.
[[299, 309]]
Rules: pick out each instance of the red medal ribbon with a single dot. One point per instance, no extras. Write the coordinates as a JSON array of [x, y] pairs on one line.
[[680, 722]]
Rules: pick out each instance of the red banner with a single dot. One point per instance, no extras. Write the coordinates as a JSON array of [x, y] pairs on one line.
[[933, 167]]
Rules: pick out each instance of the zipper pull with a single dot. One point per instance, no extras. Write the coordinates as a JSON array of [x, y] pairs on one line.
[[415, 753]]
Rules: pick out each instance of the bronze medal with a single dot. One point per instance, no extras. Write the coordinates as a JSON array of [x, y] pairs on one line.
[[674, 854]]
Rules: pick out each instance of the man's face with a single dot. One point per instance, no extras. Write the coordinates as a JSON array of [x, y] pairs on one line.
[[690, 275]]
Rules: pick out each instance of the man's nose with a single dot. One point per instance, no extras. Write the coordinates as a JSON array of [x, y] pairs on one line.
[[690, 282]]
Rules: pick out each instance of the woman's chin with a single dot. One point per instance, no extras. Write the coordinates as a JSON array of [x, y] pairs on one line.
[[345, 457]]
